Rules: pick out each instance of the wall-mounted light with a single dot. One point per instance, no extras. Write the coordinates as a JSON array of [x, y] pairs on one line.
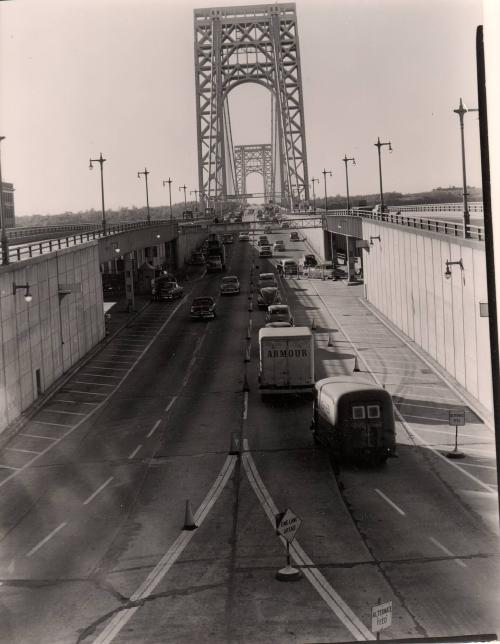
[[158, 236], [374, 237], [27, 296], [447, 272]]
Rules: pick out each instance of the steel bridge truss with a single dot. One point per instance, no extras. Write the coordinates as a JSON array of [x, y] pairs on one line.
[[249, 44], [258, 159]]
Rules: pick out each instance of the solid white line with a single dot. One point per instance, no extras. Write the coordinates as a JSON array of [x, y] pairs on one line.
[[49, 438], [152, 431], [245, 405], [448, 552], [25, 451], [97, 384], [73, 402], [445, 431], [8, 467], [170, 404], [317, 580], [94, 494], [129, 362], [63, 411], [43, 422], [78, 391], [100, 375], [391, 503], [44, 541], [430, 406], [170, 557], [484, 467], [135, 452]]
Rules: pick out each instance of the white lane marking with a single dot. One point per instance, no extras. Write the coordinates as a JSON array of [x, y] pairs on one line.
[[86, 382], [391, 503], [170, 557], [448, 552], [245, 445], [153, 429], [49, 438], [99, 489], [43, 422], [100, 375], [429, 406], [245, 405], [73, 402], [62, 411], [17, 449], [194, 358], [446, 431], [318, 581], [55, 441], [110, 368], [134, 452], [397, 413], [170, 404], [8, 467], [44, 541], [484, 467], [127, 362]]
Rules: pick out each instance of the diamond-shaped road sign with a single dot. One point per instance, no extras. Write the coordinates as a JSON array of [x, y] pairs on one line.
[[287, 524]]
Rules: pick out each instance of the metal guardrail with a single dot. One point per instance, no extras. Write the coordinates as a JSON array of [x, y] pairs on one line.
[[475, 206], [34, 249], [63, 229]]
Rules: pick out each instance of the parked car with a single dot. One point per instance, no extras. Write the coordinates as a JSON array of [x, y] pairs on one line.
[[263, 241], [230, 285], [265, 251], [203, 307], [309, 261], [279, 313], [279, 245], [244, 236], [294, 236], [165, 290]]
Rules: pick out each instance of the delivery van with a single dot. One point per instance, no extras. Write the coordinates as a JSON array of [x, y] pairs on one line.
[[286, 360]]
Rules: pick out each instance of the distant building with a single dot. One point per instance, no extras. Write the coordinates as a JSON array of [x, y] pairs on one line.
[[8, 204]]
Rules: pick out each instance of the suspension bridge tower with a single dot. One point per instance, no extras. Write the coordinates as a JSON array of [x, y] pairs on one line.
[[249, 44]]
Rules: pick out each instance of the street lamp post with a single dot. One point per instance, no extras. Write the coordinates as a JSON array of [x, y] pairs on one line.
[[184, 187], [378, 144], [169, 181], [313, 180], [101, 161], [462, 109], [346, 160], [145, 172], [4, 240], [324, 173]]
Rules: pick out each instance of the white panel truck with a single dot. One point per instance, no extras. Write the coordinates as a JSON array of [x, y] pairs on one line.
[[286, 360]]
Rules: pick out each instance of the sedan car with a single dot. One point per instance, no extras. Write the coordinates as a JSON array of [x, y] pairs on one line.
[[294, 236], [203, 307], [268, 229], [244, 236], [267, 279], [279, 313], [265, 251], [230, 285], [279, 245], [263, 241], [164, 290]]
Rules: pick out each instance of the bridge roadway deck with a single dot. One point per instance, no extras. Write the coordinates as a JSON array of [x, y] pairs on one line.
[[94, 489]]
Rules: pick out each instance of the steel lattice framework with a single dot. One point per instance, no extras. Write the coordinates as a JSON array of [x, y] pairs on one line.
[[256, 44], [254, 158]]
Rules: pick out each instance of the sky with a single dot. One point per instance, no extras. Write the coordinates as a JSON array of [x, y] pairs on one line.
[[81, 77]]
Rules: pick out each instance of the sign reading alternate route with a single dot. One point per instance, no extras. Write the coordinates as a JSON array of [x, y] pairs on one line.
[[456, 418], [287, 524], [381, 616]]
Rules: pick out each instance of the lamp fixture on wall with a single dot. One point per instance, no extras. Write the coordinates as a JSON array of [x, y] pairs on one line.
[[374, 237], [447, 272], [27, 296]]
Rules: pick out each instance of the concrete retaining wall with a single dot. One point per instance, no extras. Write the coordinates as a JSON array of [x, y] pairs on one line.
[[52, 332]]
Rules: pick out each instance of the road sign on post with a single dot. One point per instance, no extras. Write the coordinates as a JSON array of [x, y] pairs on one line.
[[287, 524], [456, 418], [381, 617]]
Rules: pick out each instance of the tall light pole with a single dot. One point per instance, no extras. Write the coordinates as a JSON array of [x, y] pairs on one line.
[[462, 109], [100, 161], [378, 144], [346, 160], [184, 187], [4, 241], [145, 172], [324, 173], [313, 180], [169, 181]]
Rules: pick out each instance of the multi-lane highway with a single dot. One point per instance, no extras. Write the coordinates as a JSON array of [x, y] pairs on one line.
[[94, 489]]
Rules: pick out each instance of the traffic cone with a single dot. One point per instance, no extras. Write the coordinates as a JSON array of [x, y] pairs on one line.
[[330, 343], [250, 305], [246, 386], [189, 523], [247, 354], [356, 366], [235, 444], [313, 325], [249, 329]]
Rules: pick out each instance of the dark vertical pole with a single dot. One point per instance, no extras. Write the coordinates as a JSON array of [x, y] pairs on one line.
[[488, 235]]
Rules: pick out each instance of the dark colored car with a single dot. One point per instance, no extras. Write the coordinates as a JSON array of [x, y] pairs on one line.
[[165, 290], [203, 307]]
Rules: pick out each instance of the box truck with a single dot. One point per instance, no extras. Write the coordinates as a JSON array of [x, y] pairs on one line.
[[286, 360]]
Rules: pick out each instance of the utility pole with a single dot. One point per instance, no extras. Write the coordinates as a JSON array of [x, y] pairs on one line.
[[4, 240], [462, 109], [379, 145], [145, 172], [169, 181], [324, 173], [345, 160], [100, 161]]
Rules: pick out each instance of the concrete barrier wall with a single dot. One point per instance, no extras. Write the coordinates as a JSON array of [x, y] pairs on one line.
[[187, 241], [43, 338], [404, 279]]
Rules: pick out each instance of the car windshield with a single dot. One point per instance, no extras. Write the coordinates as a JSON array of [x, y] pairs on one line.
[[226, 280], [279, 310], [309, 257], [266, 276], [168, 284], [199, 301]]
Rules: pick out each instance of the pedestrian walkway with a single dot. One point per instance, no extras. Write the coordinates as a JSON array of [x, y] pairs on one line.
[[347, 327]]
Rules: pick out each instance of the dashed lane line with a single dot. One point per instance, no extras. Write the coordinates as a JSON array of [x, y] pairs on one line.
[[170, 404], [391, 503], [49, 438], [47, 538], [78, 391], [153, 429], [18, 449], [96, 384], [63, 411], [170, 557], [44, 422], [448, 552], [99, 489], [134, 453]]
